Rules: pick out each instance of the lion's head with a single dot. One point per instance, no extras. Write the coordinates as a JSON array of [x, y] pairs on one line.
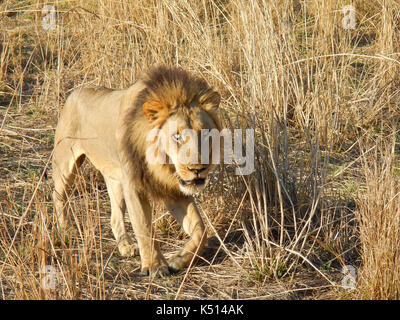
[[181, 110]]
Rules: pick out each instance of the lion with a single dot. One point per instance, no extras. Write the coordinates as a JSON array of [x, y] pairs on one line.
[[111, 128]]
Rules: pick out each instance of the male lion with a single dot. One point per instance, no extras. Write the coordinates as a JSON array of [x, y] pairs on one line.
[[111, 128]]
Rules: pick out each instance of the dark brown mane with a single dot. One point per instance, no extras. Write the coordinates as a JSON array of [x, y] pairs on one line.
[[174, 88]]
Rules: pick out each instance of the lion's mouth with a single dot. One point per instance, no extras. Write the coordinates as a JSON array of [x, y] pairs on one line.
[[196, 182]]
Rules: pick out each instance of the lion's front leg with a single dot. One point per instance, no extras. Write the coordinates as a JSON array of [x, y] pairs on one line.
[[126, 246], [140, 215], [187, 214]]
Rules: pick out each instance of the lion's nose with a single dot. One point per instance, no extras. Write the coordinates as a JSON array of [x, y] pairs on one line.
[[197, 169]]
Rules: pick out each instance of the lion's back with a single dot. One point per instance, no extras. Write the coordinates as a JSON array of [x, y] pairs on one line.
[[86, 108]]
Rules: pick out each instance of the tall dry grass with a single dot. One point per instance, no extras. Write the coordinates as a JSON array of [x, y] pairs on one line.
[[311, 90], [378, 215]]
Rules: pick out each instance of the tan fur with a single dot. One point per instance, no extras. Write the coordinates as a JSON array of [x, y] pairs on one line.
[[110, 128]]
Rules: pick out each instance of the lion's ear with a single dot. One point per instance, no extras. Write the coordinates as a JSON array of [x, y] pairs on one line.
[[155, 111], [210, 100]]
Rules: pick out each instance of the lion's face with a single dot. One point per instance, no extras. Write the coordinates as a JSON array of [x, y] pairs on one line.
[[183, 138], [189, 148]]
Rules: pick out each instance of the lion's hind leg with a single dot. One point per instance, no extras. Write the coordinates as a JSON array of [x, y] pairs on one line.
[[66, 160]]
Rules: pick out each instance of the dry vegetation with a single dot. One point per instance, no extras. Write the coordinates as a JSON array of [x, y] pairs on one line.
[[324, 103]]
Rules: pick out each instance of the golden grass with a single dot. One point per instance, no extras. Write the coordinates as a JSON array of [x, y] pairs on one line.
[[323, 101], [378, 215]]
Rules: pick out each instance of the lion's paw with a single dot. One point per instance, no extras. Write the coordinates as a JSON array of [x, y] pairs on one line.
[[157, 267], [127, 248], [158, 271], [178, 262]]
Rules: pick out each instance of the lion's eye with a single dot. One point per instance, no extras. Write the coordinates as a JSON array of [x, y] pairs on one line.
[[177, 137]]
